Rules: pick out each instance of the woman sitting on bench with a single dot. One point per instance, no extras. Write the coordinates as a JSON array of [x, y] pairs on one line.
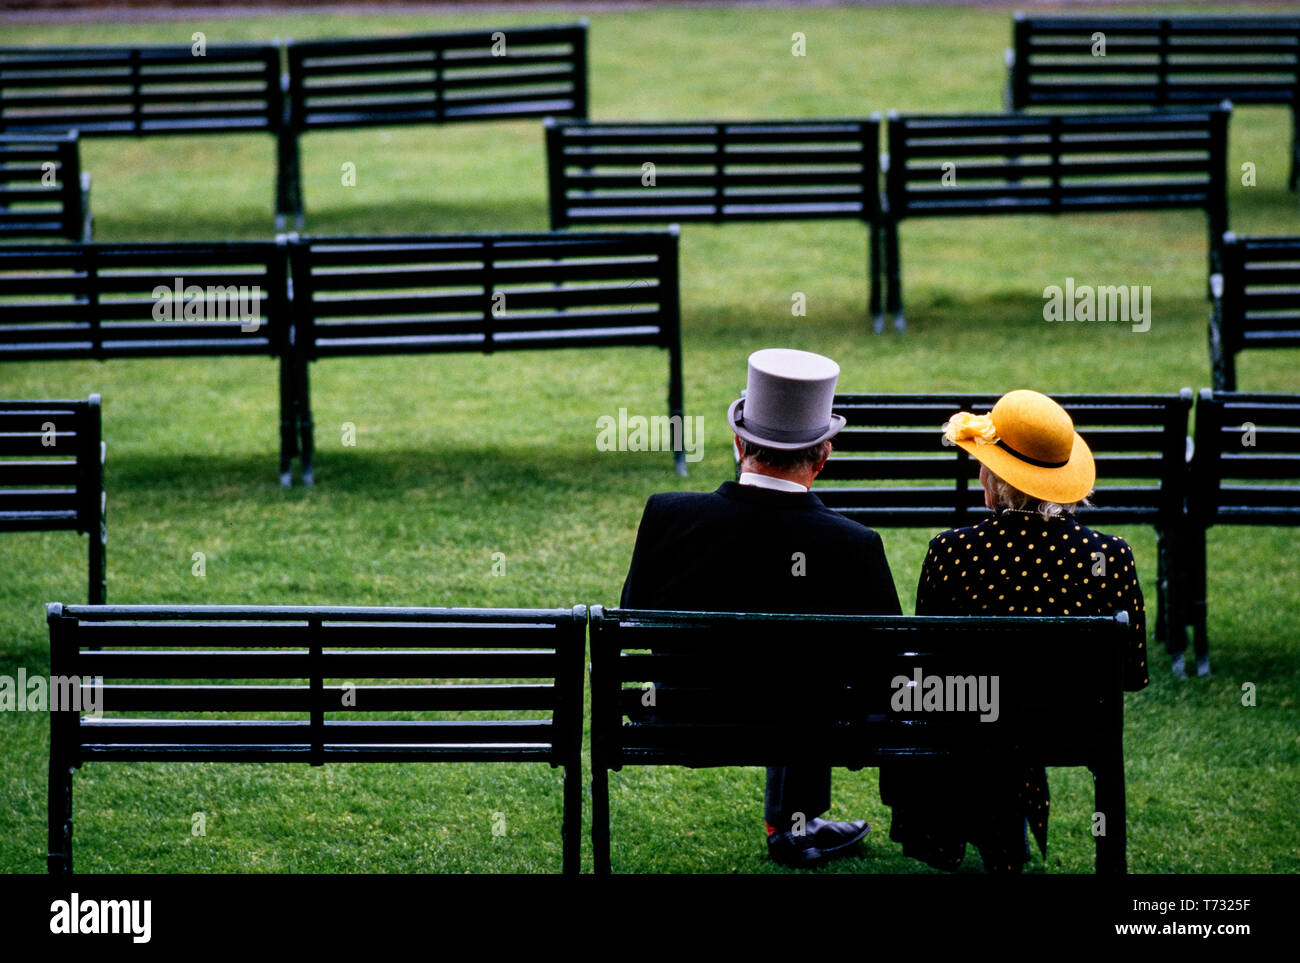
[[1030, 557]]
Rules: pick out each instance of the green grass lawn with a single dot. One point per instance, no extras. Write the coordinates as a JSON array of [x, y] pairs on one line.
[[459, 457]]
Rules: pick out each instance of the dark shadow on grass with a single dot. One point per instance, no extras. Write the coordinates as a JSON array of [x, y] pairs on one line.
[[459, 471], [428, 217], [421, 217]]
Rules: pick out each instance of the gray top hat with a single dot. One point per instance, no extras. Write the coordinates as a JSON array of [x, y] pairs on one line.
[[787, 400]]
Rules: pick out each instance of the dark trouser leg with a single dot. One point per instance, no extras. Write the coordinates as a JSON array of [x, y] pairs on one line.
[[796, 789]]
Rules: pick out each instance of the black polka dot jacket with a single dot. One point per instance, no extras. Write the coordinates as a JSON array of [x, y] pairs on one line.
[[1017, 563]]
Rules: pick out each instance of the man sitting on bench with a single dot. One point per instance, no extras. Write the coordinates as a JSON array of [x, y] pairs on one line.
[[767, 544]]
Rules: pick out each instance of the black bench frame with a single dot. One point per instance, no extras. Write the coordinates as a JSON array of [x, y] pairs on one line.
[[1166, 61], [97, 302], [1003, 160], [557, 290], [460, 78], [59, 492], [1256, 301], [139, 91], [719, 171], [1243, 441], [135, 91], [299, 644], [1059, 703], [897, 438], [61, 210]]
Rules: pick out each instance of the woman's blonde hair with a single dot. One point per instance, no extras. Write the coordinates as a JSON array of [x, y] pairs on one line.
[[1006, 495]]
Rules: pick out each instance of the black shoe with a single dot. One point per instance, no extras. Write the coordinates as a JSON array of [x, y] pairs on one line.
[[820, 842]]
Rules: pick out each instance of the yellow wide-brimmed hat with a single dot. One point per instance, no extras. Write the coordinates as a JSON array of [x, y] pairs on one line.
[[1029, 442]]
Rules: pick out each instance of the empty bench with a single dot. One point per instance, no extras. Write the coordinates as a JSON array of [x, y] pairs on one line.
[[718, 171], [505, 74], [484, 292], [1146, 61], [717, 702], [52, 474], [1246, 471], [141, 91], [361, 685], [961, 165], [43, 190], [141, 300], [891, 469], [1256, 302]]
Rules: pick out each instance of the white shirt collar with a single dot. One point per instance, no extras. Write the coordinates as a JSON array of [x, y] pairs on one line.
[[768, 481]]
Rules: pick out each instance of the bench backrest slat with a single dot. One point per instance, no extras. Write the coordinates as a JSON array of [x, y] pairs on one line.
[[892, 447], [99, 301], [1260, 303], [471, 663], [1154, 61], [503, 74], [482, 292], [620, 173], [948, 165], [136, 91], [40, 186], [1247, 462], [51, 473]]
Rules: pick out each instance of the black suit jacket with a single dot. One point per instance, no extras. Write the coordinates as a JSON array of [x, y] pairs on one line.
[[738, 550]]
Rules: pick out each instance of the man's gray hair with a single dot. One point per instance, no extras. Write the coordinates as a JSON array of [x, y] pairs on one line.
[[800, 459]]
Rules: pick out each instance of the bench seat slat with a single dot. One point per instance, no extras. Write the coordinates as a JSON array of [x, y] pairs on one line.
[[287, 698], [508, 752], [280, 634], [371, 664], [164, 732]]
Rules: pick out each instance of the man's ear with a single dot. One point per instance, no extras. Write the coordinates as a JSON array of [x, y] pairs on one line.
[[817, 468]]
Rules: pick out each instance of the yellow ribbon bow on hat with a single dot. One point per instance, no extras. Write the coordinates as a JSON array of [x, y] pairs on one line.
[[964, 426]]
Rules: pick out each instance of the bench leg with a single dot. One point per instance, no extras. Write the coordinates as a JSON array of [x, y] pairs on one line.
[[874, 279], [1295, 143], [895, 297], [58, 860], [1197, 557], [1173, 588], [1162, 588], [1223, 360], [600, 820], [676, 415], [305, 426], [99, 559], [1220, 359], [1215, 258], [1108, 780], [288, 420], [288, 180], [87, 219], [572, 826]]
